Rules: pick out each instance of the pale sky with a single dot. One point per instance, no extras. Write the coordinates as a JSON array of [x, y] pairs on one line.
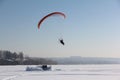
[[91, 27]]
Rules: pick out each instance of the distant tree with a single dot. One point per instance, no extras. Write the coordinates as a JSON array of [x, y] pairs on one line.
[[0, 55], [21, 57], [7, 55], [15, 56]]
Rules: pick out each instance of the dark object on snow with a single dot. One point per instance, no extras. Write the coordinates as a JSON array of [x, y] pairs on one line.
[[39, 68], [45, 67]]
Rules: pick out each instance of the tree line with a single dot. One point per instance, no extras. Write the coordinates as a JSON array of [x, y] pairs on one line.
[[13, 58]]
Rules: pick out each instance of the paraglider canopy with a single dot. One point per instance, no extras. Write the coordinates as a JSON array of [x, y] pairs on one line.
[[51, 14]]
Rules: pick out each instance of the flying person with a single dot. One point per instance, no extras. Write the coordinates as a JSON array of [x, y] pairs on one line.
[[61, 41]]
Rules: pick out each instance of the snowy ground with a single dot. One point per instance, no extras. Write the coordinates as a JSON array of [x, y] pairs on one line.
[[62, 72]]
